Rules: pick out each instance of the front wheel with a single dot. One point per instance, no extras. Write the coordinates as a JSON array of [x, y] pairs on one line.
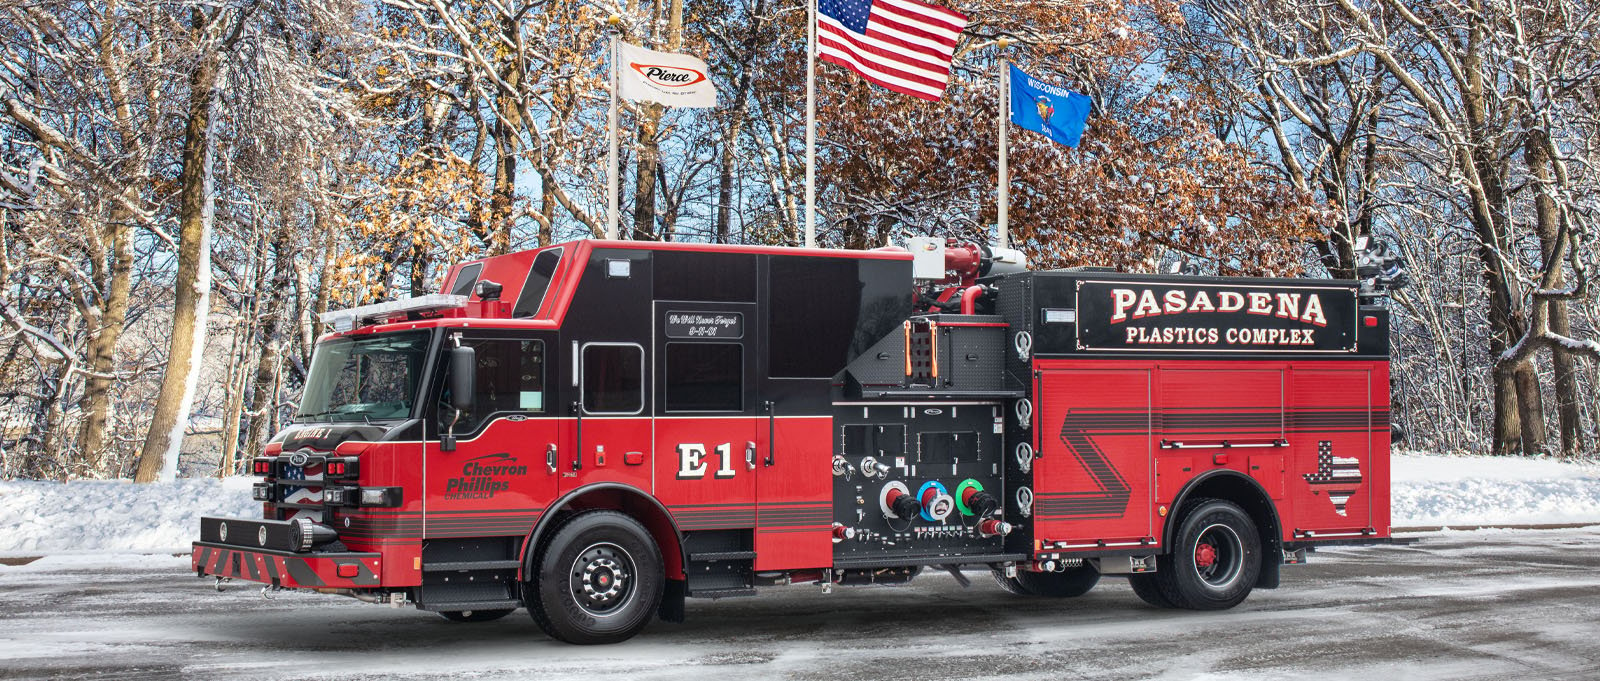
[[599, 579], [1215, 559]]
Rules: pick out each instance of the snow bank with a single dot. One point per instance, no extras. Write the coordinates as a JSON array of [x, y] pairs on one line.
[[53, 517], [1501, 490], [47, 517]]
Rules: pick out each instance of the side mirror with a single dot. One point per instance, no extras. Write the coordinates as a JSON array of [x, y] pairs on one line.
[[463, 387], [463, 377]]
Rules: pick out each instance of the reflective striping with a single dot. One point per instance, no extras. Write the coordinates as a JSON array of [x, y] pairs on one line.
[[302, 573]]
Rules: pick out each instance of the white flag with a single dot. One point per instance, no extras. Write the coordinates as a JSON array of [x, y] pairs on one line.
[[663, 77]]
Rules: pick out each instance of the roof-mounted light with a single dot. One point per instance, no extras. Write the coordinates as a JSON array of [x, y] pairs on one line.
[[350, 318]]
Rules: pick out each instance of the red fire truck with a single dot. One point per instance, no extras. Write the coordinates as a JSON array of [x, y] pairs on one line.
[[599, 429]]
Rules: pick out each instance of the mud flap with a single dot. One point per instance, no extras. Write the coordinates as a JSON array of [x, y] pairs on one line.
[[1271, 562], [672, 597]]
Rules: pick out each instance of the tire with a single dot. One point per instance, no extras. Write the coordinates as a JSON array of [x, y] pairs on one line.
[[1072, 583], [1009, 584], [1215, 558], [475, 615], [1144, 585], [598, 579]]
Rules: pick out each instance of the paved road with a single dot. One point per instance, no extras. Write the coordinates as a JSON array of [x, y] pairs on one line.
[[1471, 605]]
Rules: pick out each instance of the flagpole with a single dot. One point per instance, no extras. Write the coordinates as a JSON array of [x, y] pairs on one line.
[[611, 136], [811, 123], [1004, 109]]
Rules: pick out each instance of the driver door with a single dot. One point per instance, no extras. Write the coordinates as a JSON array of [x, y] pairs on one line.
[[499, 478]]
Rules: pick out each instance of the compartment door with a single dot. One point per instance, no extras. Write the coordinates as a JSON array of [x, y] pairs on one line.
[[1093, 479], [1330, 470]]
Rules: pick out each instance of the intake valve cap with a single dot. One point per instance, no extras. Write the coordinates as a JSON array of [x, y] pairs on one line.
[[993, 527], [842, 533], [937, 504], [896, 501]]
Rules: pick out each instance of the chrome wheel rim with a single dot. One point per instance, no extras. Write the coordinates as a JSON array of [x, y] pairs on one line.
[[602, 579], [1218, 558]]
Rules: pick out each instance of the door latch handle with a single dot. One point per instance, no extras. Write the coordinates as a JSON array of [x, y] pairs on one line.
[[750, 455], [550, 457], [772, 432]]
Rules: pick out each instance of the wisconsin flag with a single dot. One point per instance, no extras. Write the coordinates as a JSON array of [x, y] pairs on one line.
[[663, 77], [1055, 112]]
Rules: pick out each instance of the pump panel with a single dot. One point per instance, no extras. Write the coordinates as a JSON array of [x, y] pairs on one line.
[[916, 480]]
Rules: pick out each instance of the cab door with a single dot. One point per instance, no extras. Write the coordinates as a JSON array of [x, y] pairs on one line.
[[707, 413], [606, 438], [498, 478]]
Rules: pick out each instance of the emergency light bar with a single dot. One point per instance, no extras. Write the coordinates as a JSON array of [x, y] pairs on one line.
[[349, 318]]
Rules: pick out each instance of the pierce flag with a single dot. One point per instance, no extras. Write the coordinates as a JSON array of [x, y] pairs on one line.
[[663, 77], [903, 45], [1055, 112]]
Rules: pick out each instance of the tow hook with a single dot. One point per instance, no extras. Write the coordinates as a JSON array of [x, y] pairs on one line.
[[220, 581], [270, 591]]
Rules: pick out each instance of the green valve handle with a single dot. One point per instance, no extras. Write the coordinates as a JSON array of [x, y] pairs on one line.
[[972, 500]]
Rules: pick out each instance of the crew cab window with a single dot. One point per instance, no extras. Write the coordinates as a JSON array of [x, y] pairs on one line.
[[537, 283], [613, 378], [705, 377], [510, 380]]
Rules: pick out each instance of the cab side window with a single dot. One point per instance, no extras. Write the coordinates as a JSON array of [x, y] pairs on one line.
[[613, 378], [510, 380]]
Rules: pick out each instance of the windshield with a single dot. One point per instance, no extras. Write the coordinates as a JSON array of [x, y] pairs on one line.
[[358, 379]]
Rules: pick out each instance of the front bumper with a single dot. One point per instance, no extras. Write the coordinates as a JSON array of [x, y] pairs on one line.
[[255, 555]]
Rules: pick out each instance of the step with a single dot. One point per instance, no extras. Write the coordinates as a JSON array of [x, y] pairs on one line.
[[458, 606], [722, 555], [721, 593], [456, 566]]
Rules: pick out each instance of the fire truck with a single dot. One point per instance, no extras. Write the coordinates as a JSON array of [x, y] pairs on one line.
[[597, 430]]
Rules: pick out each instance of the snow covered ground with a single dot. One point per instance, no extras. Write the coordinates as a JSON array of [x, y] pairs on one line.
[[46, 517], [1460, 605], [1479, 490]]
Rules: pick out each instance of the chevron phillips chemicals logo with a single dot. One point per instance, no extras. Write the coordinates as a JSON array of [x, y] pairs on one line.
[[483, 476], [668, 76]]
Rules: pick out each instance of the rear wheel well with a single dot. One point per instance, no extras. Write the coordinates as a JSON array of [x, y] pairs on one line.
[[1247, 495]]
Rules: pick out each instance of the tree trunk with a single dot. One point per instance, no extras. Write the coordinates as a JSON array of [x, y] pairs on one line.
[[1547, 226], [240, 352], [101, 356], [644, 174], [649, 143], [508, 121], [263, 397], [158, 459], [1530, 409], [102, 350], [725, 185], [1489, 217]]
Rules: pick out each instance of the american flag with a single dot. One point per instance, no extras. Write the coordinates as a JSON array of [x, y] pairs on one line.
[[903, 45]]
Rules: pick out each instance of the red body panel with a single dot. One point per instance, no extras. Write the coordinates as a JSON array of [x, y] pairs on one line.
[[1121, 440]]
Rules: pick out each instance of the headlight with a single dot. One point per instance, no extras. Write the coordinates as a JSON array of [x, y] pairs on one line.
[[386, 497]]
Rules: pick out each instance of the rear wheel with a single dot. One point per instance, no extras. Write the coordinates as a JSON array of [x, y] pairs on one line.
[[1144, 585], [599, 579], [1009, 584], [1068, 584], [1074, 582], [475, 615], [1215, 559]]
